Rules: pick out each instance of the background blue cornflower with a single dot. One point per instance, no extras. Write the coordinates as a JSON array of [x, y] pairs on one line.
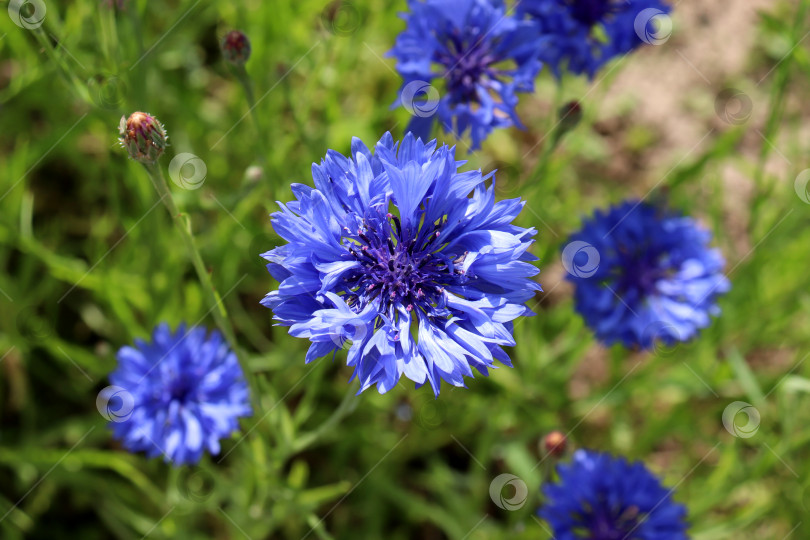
[[586, 34], [484, 55], [188, 391], [644, 273], [409, 259], [601, 497]]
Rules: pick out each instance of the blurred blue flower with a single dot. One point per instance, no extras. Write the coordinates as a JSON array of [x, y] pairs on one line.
[[586, 34], [484, 56], [601, 497], [186, 392], [410, 261], [644, 274]]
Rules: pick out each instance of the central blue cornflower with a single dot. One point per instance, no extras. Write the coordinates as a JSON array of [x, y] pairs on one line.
[[601, 497], [586, 34], [405, 261], [483, 55]]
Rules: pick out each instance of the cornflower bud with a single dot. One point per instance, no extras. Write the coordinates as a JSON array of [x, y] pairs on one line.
[[570, 116], [236, 47], [143, 136], [555, 443]]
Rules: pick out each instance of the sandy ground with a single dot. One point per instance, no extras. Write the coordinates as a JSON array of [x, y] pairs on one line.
[[681, 91]]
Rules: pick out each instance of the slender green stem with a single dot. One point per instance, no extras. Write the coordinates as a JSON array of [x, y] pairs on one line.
[[244, 79], [62, 67], [346, 407], [172, 481], [212, 296], [776, 110], [139, 76], [618, 354], [553, 136], [290, 97]]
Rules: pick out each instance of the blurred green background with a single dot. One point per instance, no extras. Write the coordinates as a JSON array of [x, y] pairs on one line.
[[716, 119]]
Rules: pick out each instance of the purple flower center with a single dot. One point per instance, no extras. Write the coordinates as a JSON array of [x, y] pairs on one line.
[[640, 270], [181, 389], [590, 12], [610, 524], [400, 266], [466, 66]]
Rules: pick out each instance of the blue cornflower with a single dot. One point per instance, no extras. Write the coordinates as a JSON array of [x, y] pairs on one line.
[[586, 34], [185, 393], [601, 497], [484, 55], [644, 273], [406, 258]]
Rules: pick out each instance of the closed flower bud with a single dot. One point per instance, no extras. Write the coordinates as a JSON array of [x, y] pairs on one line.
[[570, 115], [143, 136], [236, 47], [555, 443]]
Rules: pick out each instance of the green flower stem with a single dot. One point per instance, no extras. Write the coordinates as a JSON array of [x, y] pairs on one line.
[[554, 134], [346, 407], [774, 120], [214, 300], [298, 120], [64, 70], [244, 79], [139, 76]]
